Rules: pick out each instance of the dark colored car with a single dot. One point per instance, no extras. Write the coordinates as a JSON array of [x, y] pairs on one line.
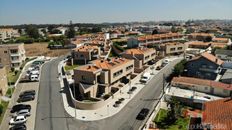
[[27, 92], [19, 127], [26, 98], [19, 107], [142, 114]]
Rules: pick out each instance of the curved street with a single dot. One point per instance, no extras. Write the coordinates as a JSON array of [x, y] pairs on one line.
[[52, 116]]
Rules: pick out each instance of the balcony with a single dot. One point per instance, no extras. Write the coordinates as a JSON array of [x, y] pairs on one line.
[[15, 61], [14, 54]]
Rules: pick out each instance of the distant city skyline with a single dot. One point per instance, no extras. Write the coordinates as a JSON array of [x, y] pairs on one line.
[[14, 12]]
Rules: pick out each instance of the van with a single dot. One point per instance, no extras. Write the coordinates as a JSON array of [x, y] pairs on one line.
[[34, 77], [145, 78]]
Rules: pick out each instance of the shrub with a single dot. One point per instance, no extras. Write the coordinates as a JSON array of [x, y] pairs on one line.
[[1, 109]]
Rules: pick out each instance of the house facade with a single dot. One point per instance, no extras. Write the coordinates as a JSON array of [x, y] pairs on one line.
[[3, 81], [8, 33], [205, 66], [141, 56], [173, 48], [102, 76], [202, 85], [12, 55], [225, 55]]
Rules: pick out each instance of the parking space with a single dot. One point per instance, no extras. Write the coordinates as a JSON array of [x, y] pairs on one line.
[[25, 86]]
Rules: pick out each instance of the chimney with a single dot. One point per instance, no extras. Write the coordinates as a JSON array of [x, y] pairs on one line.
[[216, 60]]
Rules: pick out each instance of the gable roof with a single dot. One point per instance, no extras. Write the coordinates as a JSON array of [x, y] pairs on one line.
[[224, 52], [218, 113], [190, 81], [209, 57]]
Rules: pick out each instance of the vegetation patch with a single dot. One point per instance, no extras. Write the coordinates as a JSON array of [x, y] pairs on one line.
[[68, 67], [3, 107]]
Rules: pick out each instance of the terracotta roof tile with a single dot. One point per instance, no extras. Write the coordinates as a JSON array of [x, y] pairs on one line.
[[190, 81], [218, 113]]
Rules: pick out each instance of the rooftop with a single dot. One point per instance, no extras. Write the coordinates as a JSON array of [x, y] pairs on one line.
[[196, 81], [224, 52], [110, 63], [210, 57], [225, 40], [218, 113], [86, 48], [199, 43], [139, 50]]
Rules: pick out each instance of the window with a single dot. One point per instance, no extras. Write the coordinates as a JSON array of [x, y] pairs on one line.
[[5, 51], [83, 77], [225, 91], [82, 55], [180, 48], [173, 49], [206, 88], [129, 67]]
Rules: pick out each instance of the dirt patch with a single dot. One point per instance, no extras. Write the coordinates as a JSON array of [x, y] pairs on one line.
[[40, 49]]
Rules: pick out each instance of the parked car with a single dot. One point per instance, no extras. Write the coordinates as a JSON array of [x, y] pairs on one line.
[[27, 92], [19, 107], [17, 120], [158, 68], [145, 78], [23, 112], [26, 98], [34, 77], [19, 127], [142, 114]]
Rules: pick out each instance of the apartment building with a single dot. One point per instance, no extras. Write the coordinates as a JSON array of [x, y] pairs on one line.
[[12, 55], [173, 48], [102, 76], [202, 85], [159, 38], [141, 56], [86, 53], [3, 81], [8, 33]]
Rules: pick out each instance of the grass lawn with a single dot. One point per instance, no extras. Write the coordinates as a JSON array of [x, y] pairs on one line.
[[12, 76], [5, 104], [180, 123], [68, 67], [9, 90]]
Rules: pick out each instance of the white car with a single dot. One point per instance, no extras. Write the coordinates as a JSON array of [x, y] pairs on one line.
[[23, 112], [145, 78], [34, 77], [17, 120]]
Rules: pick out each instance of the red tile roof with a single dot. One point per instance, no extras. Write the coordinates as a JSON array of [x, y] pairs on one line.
[[210, 57], [219, 114], [189, 81]]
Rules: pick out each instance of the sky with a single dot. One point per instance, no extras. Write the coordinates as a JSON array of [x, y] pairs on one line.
[[97, 11]]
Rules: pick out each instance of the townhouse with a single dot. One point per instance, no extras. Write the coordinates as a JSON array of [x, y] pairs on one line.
[[205, 66], [220, 42], [141, 56], [159, 38], [173, 48], [202, 85], [207, 37], [198, 44], [12, 55], [102, 77], [84, 54]]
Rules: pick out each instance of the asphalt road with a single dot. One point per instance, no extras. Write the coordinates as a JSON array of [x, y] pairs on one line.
[[52, 116]]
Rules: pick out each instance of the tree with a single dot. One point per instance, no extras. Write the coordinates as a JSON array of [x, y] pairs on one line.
[[155, 31], [1, 109], [179, 68], [32, 31], [71, 31]]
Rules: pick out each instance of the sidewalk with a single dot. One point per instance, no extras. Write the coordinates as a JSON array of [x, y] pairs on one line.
[[107, 110]]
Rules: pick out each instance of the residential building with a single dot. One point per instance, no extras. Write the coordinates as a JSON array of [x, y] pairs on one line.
[[223, 54], [86, 53], [198, 44], [226, 76], [8, 33], [159, 38], [203, 85], [221, 40], [103, 76], [132, 42], [3, 81], [207, 37], [205, 66], [12, 55], [217, 115], [173, 48], [141, 56]]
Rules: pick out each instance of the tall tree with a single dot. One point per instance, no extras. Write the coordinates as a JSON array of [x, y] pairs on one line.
[[32, 31], [71, 31]]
